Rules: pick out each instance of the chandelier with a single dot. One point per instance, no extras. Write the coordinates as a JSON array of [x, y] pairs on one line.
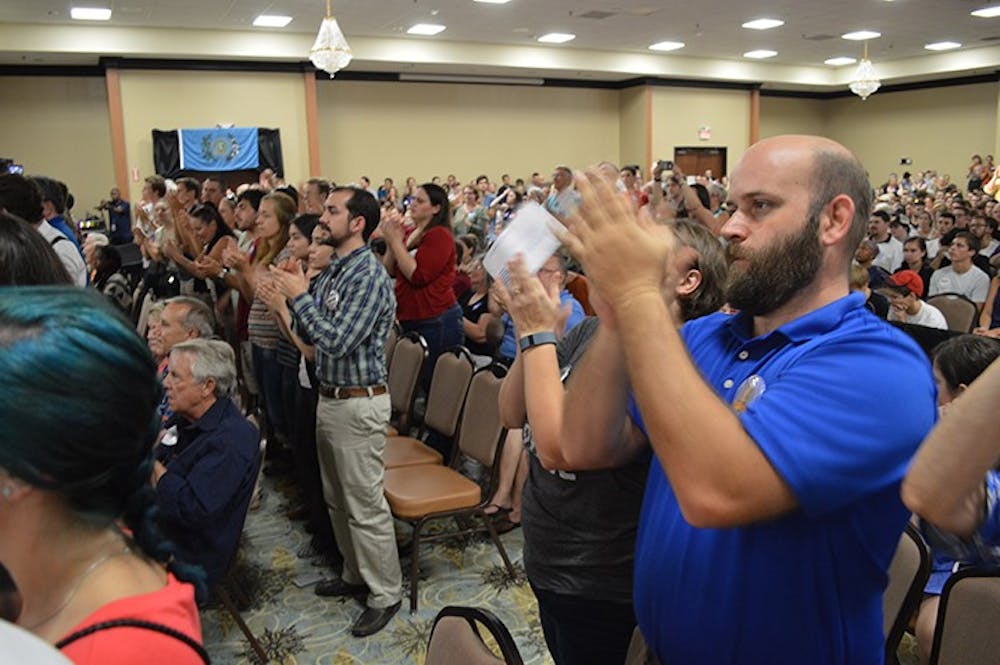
[[330, 52], [865, 81]]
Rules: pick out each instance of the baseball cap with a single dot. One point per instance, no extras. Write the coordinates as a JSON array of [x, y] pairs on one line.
[[909, 280]]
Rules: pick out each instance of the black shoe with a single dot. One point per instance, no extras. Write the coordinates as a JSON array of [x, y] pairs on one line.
[[373, 619], [338, 587]]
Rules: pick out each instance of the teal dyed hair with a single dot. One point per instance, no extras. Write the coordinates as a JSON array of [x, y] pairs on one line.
[[78, 415]]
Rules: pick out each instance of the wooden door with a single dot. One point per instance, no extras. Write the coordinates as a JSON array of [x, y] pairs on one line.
[[695, 161]]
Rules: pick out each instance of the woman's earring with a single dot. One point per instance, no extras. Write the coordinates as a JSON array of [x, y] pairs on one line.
[[6, 491]]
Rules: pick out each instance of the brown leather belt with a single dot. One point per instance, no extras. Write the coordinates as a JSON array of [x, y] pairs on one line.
[[346, 392]]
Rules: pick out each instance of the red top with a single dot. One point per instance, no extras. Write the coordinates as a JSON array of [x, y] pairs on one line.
[[173, 606], [428, 292]]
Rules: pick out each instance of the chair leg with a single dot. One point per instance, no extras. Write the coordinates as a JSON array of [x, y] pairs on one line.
[[414, 561], [496, 541], [227, 602]]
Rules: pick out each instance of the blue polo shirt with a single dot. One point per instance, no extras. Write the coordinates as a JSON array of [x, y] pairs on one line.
[[838, 402]]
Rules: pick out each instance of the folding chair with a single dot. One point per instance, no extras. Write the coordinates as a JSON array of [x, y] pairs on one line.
[[908, 573], [420, 494], [449, 385], [456, 640], [968, 616], [959, 311], [408, 357]]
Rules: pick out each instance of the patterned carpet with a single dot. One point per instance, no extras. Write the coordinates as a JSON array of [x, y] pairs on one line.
[[297, 627]]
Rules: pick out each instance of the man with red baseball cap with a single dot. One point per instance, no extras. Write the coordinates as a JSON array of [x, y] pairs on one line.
[[904, 290]]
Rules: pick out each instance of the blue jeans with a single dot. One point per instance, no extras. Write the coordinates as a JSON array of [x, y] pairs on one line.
[[440, 333], [268, 371]]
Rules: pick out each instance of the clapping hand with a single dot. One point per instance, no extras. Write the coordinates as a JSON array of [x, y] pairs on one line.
[[532, 307], [289, 279]]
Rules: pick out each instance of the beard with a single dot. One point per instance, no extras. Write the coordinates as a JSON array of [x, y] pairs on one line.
[[772, 276]]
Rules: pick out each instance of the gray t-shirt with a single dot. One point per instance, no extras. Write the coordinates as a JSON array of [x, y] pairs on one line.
[[580, 527]]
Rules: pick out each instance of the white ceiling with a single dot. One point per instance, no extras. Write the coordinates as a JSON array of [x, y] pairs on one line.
[[487, 39]]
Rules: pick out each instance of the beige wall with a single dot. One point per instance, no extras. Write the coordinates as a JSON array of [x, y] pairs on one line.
[[939, 128], [426, 129], [679, 112], [632, 130], [175, 100], [791, 115], [59, 126]]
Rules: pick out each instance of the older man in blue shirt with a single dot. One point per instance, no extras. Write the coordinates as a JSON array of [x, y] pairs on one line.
[[204, 489]]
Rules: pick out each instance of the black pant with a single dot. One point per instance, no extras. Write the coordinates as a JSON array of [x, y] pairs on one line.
[[585, 631], [307, 469]]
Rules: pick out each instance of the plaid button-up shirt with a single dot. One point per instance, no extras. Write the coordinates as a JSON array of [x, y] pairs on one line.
[[347, 315]]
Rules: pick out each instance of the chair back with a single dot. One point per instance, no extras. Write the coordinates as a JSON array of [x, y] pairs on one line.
[[456, 640], [908, 573], [959, 311], [968, 616], [390, 346], [408, 357], [449, 385], [481, 429]]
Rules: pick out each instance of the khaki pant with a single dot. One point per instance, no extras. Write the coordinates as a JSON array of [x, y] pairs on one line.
[[350, 440]]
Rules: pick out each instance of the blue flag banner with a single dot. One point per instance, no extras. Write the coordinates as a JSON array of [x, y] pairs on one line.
[[220, 149]]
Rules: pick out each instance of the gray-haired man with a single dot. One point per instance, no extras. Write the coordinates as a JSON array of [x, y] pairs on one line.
[[204, 490]]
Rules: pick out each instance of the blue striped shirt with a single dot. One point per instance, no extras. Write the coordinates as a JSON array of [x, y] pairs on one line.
[[347, 315]]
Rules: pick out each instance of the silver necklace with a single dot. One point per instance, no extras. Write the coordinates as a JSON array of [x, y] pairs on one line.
[[76, 587]]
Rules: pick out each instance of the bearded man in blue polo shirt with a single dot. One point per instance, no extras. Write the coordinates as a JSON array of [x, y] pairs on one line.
[[772, 507]]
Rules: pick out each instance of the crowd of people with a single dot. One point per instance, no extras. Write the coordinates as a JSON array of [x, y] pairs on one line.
[[691, 446]]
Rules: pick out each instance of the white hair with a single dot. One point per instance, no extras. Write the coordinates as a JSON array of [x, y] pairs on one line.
[[211, 359]]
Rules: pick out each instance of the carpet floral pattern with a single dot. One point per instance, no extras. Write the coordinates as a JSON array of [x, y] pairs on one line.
[[296, 627]]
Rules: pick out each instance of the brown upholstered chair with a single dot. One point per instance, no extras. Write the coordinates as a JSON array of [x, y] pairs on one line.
[[408, 357], [959, 311], [390, 345], [449, 385], [420, 494], [456, 640], [967, 619], [908, 573]]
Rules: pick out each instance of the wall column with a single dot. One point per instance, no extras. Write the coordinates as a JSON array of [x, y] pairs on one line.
[[754, 116], [118, 155]]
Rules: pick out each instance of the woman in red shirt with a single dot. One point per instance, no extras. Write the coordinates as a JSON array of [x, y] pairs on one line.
[[423, 263]]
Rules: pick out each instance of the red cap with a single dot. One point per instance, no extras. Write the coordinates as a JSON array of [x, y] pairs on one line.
[[910, 280]]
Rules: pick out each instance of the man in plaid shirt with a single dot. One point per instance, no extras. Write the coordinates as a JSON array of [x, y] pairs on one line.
[[347, 314]]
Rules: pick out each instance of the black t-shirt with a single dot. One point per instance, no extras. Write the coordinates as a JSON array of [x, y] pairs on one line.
[[472, 311], [580, 527]]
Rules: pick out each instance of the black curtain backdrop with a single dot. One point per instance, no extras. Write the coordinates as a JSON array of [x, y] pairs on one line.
[[167, 152]]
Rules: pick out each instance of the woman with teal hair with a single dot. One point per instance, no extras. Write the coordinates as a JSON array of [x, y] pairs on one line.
[[77, 512]]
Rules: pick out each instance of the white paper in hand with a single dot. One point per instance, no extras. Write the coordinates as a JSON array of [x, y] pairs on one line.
[[532, 234]]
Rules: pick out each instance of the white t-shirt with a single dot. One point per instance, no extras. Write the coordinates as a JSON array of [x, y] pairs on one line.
[[890, 255], [66, 251], [974, 284], [928, 315]]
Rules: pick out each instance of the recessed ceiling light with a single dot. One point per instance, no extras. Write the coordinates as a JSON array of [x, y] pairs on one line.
[[556, 38], [425, 29], [764, 24], [839, 61], [666, 46], [90, 14], [942, 46], [987, 12], [760, 54], [493, 2], [861, 35], [272, 21]]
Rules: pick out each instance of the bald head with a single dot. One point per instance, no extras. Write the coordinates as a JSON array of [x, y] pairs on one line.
[[824, 167]]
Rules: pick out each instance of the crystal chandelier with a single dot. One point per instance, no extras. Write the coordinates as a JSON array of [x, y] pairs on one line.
[[865, 81], [330, 52]]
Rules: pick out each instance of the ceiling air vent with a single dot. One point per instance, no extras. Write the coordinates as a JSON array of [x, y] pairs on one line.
[[817, 38], [596, 14], [994, 38]]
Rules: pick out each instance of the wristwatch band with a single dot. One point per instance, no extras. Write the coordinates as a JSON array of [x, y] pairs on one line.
[[537, 339]]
